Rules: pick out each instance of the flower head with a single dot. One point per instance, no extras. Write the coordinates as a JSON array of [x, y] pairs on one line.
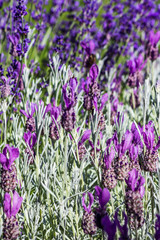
[[88, 46], [70, 97], [27, 113], [7, 159], [30, 139], [135, 183], [12, 206], [103, 196], [91, 199], [85, 137]]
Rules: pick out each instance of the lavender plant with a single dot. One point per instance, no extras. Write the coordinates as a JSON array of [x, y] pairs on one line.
[[79, 119]]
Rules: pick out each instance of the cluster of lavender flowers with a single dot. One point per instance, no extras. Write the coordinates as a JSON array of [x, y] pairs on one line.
[[12, 200], [92, 133]]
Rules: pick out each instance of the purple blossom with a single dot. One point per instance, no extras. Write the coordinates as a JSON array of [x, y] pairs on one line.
[[69, 98], [133, 152], [93, 72], [91, 199], [103, 196], [27, 113], [154, 38], [123, 229], [157, 228], [5, 80], [122, 147], [88, 46], [109, 227], [136, 64], [12, 206], [85, 137], [8, 156], [135, 183], [108, 158], [14, 41], [149, 138], [136, 136], [104, 99], [54, 111], [30, 139]]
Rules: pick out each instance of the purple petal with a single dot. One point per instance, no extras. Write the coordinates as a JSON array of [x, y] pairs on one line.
[[7, 205], [112, 154], [133, 152], [132, 66], [73, 83], [24, 113], [104, 99], [27, 136], [108, 158], [33, 140], [33, 108], [85, 136], [95, 103], [84, 45], [98, 191], [104, 197], [123, 229], [17, 201], [14, 153], [141, 181], [66, 99], [109, 227], [48, 108], [132, 179], [3, 158], [93, 72], [145, 139], [91, 46], [91, 199], [127, 142], [158, 145], [142, 191]]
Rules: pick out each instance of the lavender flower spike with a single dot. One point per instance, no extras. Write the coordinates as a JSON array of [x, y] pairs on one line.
[[68, 115], [150, 159], [9, 171], [30, 123], [11, 208], [133, 199], [81, 148], [152, 50], [30, 139], [89, 220], [6, 88], [89, 49], [91, 199], [108, 173], [13, 154], [53, 129]]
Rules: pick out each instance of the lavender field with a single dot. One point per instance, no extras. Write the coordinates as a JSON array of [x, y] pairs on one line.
[[79, 119]]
